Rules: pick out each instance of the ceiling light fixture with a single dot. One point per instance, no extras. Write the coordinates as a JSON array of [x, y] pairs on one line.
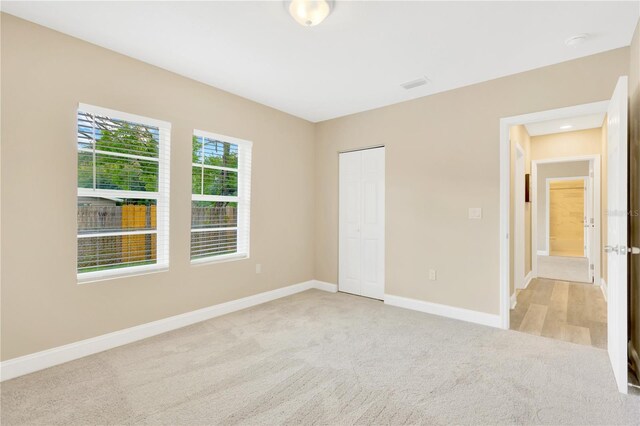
[[309, 12], [566, 127], [576, 39]]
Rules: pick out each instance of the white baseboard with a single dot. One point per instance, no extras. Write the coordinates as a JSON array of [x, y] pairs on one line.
[[443, 310], [514, 300], [527, 279], [604, 288], [325, 286], [543, 253], [48, 358]]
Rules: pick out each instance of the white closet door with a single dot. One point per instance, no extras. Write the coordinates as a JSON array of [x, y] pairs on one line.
[[361, 241], [350, 245]]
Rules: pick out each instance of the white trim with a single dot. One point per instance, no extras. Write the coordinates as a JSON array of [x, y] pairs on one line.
[[124, 116], [119, 154], [243, 197], [124, 232], [161, 196], [519, 244], [221, 138], [125, 271], [112, 193], [229, 228], [48, 358], [219, 258], [505, 186], [462, 314], [528, 279], [604, 288], [542, 252], [514, 300], [215, 198]]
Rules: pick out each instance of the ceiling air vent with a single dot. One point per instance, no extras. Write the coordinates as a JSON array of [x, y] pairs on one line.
[[414, 83]]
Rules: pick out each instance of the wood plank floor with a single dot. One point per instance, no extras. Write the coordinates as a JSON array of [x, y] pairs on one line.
[[563, 310]]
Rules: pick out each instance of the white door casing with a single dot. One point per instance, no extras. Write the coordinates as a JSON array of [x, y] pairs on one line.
[[518, 215], [589, 223], [505, 187], [617, 237], [361, 223]]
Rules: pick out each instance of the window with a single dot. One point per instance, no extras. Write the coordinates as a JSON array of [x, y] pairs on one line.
[[221, 189], [123, 193]]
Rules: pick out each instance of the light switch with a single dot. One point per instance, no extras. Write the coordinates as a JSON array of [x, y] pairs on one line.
[[258, 268], [432, 275], [475, 212]]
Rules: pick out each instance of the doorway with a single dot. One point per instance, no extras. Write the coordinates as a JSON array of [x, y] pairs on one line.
[[362, 222], [615, 279], [566, 218]]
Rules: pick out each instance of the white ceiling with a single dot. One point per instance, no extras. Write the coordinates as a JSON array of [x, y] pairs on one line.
[[356, 59], [583, 122]]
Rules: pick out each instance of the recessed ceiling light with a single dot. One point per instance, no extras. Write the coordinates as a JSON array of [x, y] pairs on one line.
[[566, 127], [309, 12], [576, 39]]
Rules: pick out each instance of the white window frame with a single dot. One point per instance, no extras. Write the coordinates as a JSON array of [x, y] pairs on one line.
[[243, 198], [161, 196]]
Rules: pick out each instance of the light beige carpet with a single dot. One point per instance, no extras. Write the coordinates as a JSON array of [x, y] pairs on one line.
[[321, 358]]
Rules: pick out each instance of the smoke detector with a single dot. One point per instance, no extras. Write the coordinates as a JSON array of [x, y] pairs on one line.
[[576, 39]]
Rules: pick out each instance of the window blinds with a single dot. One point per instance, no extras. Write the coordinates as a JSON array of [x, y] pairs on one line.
[[221, 192], [123, 193]]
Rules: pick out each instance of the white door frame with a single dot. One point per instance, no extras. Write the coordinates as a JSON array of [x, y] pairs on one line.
[[594, 160], [585, 183], [505, 186], [519, 221]]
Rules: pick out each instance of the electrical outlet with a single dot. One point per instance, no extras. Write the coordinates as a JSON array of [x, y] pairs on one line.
[[432, 275], [258, 268]]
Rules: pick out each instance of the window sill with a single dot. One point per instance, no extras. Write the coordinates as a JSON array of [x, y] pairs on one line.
[[92, 277], [219, 259]]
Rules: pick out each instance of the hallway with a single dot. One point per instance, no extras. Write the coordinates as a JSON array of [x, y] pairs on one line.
[[564, 268], [562, 310]]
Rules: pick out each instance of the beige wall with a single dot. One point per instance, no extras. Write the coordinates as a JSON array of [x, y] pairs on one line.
[[519, 135], [634, 125], [436, 146], [44, 76], [567, 144], [440, 145]]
